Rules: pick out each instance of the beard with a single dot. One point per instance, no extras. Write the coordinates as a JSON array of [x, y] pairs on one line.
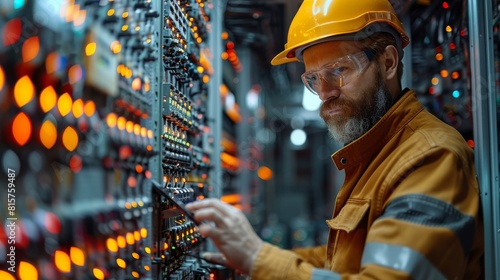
[[364, 113]]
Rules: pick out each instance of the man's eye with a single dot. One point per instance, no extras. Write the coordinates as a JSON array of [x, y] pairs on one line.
[[337, 70]]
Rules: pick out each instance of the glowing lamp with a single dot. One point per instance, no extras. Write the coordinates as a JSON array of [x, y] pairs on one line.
[[30, 49], [21, 129], [64, 104], [27, 271], [112, 245], [77, 256], [70, 138], [98, 274], [48, 134], [23, 91], [62, 261]]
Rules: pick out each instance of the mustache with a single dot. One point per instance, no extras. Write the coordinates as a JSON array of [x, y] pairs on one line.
[[332, 103]]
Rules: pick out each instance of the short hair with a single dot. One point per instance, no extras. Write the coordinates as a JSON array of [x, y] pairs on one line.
[[378, 42]]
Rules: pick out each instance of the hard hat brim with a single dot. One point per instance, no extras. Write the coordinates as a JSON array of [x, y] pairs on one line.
[[283, 58]]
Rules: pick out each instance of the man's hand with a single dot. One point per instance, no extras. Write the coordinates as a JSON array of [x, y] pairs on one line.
[[230, 231]]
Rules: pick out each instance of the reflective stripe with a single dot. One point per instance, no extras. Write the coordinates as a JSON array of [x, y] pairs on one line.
[[429, 211], [400, 258], [321, 274]]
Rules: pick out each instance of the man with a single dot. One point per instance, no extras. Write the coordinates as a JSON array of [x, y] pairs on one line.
[[409, 207]]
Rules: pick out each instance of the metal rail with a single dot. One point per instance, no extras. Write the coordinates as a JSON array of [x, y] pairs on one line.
[[485, 127]]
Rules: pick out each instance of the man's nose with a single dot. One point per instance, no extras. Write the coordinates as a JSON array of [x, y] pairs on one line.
[[328, 90]]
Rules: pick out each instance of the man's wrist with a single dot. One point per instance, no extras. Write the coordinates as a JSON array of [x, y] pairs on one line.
[[253, 259]]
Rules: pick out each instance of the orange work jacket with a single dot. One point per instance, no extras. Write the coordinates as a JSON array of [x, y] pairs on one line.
[[409, 207]]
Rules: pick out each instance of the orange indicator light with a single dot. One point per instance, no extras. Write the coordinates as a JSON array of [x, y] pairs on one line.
[[130, 238], [78, 108], [48, 99], [98, 274], [137, 129], [111, 120], [130, 126], [89, 108], [70, 138], [144, 232], [21, 129], [112, 245], [62, 261], [30, 49], [121, 123], [77, 256], [2, 78], [64, 104], [23, 91], [6, 275], [27, 271], [121, 263], [120, 240], [136, 84], [48, 134]]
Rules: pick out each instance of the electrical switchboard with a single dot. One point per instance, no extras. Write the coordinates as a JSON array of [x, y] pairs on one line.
[[103, 121]]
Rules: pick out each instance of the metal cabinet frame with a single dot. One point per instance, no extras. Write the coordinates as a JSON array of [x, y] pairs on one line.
[[485, 127]]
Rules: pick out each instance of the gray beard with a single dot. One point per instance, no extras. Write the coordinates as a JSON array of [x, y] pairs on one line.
[[357, 126]]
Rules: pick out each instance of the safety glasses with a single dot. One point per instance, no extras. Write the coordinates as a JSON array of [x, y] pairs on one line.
[[339, 72]]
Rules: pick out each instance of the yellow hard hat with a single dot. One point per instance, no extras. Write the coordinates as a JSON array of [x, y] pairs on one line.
[[318, 20]]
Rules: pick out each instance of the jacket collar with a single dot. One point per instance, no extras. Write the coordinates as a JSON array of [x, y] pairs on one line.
[[365, 147]]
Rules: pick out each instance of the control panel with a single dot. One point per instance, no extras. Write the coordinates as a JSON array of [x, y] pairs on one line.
[[103, 128]]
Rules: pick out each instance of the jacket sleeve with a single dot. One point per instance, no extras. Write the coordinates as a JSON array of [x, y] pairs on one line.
[[273, 262], [314, 255]]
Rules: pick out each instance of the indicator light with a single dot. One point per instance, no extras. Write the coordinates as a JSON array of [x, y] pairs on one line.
[[64, 104], [70, 138], [12, 31], [121, 263], [24, 91], [48, 99], [21, 129], [48, 134], [62, 261], [89, 108], [98, 274], [77, 256], [31, 48], [27, 271], [78, 108]]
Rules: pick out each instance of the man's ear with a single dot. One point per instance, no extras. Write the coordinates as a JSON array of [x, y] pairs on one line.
[[390, 60]]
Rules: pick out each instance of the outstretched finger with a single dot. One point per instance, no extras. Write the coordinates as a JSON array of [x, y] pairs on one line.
[[210, 218], [209, 203], [213, 257]]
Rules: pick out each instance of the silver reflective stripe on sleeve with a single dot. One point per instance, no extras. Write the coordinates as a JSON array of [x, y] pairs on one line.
[[400, 258], [322, 274], [432, 212]]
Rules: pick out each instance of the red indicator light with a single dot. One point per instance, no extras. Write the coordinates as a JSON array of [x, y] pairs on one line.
[[12, 31], [52, 223]]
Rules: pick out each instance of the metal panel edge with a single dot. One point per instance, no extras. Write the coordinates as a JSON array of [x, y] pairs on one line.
[[485, 127]]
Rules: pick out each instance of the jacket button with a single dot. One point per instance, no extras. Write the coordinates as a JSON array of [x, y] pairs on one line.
[[343, 160]]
